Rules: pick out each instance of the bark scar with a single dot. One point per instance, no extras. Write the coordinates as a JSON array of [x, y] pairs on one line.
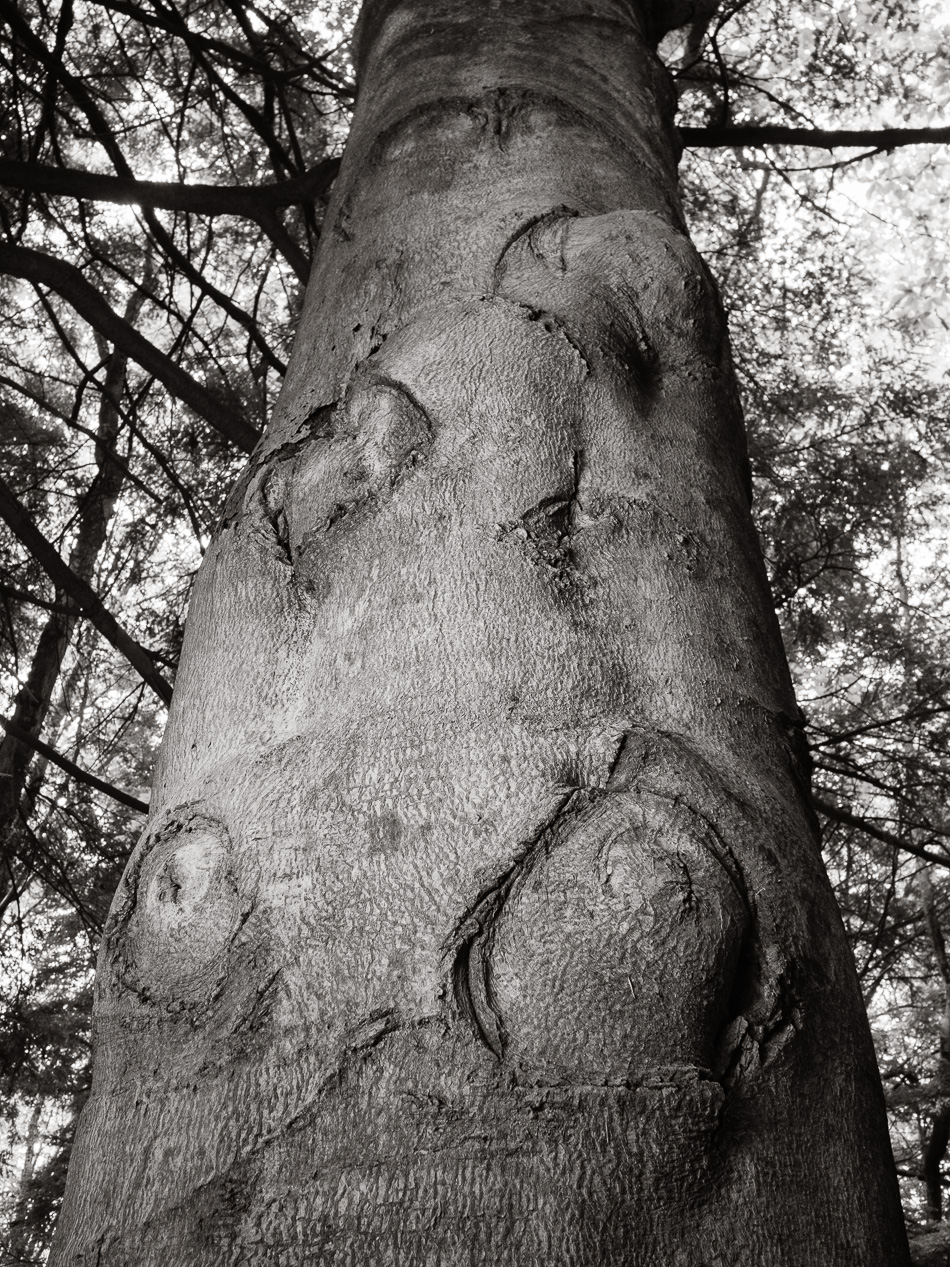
[[472, 938], [552, 325], [559, 215], [747, 1045], [363, 464], [548, 528]]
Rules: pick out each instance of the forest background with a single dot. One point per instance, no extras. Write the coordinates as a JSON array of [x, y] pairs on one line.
[[163, 174]]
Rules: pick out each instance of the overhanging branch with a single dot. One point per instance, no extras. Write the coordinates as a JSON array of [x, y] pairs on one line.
[[70, 767], [21, 523], [830, 810], [68, 281], [248, 201], [757, 135]]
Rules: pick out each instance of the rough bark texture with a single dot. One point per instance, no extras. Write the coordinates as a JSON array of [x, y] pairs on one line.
[[481, 917]]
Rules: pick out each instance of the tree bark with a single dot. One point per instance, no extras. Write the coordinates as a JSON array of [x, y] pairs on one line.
[[481, 917]]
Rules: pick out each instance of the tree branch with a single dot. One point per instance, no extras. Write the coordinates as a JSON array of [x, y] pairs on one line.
[[310, 67], [756, 135], [295, 257], [75, 771], [104, 134], [68, 281], [22, 596], [258, 203], [249, 201], [21, 523], [831, 810]]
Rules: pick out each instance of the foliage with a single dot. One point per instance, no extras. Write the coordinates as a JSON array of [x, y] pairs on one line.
[[121, 124], [834, 276]]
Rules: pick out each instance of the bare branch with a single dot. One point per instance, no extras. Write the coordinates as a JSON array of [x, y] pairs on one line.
[[23, 596], [249, 201], [840, 815], [310, 67], [106, 138], [258, 203], [20, 521], [75, 771], [757, 135], [68, 281]]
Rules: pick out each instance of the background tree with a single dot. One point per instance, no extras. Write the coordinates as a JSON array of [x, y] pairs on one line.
[[846, 404]]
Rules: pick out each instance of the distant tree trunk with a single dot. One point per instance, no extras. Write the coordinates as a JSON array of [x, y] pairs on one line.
[[32, 701], [935, 1148], [481, 917], [20, 1232]]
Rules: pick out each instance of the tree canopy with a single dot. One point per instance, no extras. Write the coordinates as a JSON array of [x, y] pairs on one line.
[[164, 173]]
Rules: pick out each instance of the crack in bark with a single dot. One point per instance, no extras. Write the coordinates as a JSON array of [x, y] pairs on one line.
[[551, 324], [689, 893], [364, 1036], [578, 469], [371, 1030], [281, 531], [548, 528], [635, 352], [753, 1044], [261, 1004], [620, 754], [390, 1023]]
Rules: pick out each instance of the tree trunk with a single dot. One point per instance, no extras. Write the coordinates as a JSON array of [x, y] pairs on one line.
[[935, 1148], [32, 701], [20, 1233], [481, 918]]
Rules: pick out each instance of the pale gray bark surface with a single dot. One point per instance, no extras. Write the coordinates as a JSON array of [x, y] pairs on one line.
[[481, 917]]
